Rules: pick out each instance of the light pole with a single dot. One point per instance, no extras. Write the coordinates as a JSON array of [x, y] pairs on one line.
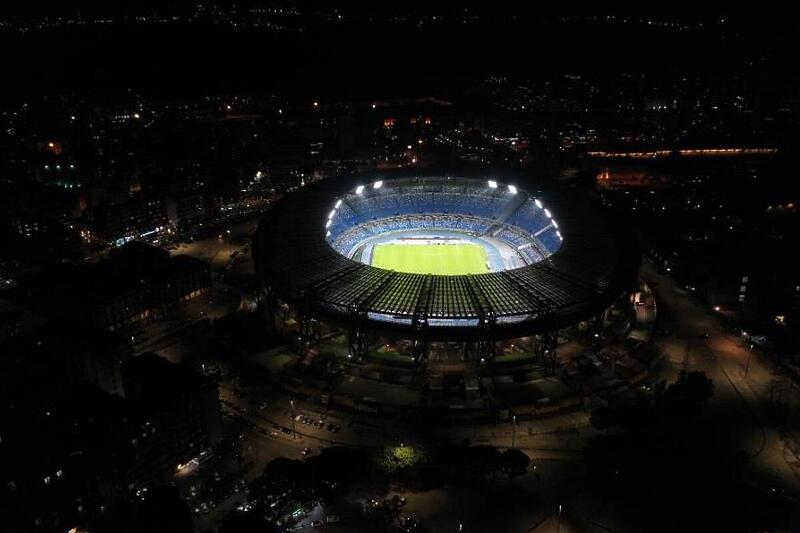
[[558, 522], [747, 366], [293, 432], [513, 430]]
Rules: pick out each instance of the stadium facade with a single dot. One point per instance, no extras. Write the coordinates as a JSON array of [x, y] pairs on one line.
[[552, 260]]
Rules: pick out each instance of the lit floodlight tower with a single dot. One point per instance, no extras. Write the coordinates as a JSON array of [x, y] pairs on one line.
[[538, 203], [512, 189], [360, 189], [492, 184], [378, 184]]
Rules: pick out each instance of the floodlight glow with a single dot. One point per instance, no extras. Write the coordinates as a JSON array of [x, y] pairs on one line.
[[330, 215], [328, 234], [546, 212], [328, 223], [359, 189], [512, 189], [559, 235], [492, 184], [555, 224], [538, 203], [337, 204], [377, 185]]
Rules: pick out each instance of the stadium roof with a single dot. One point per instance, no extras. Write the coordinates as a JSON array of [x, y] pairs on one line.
[[596, 263]]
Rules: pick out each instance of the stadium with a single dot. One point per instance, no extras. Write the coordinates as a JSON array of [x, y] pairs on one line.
[[469, 261]]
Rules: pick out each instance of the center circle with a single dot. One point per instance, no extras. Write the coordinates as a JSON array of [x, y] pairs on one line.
[[442, 226]]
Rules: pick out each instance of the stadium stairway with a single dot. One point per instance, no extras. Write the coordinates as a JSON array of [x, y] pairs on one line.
[[513, 206]]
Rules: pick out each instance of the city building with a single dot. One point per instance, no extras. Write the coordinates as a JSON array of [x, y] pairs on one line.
[[135, 284], [134, 219]]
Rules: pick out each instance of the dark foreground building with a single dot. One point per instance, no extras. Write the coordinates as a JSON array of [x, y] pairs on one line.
[[136, 284], [69, 457]]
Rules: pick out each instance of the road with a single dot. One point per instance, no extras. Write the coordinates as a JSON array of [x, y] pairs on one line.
[[741, 405], [217, 249]]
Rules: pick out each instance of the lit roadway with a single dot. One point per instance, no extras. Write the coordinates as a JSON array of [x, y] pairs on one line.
[[738, 408], [740, 404], [217, 247], [557, 437]]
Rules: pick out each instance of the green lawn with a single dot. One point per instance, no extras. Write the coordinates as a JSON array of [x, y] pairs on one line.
[[445, 259]]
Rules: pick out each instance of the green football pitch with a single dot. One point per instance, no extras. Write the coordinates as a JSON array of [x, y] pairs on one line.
[[444, 259]]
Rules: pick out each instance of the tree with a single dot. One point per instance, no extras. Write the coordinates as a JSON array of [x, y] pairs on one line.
[[514, 462], [690, 393], [288, 470], [485, 460], [237, 522], [161, 510], [339, 465], [394, 459], [281, 474]]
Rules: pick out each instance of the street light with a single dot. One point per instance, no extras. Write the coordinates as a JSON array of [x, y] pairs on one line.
[[513, 430], [558, 523], [294, 436], [747, 366]]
